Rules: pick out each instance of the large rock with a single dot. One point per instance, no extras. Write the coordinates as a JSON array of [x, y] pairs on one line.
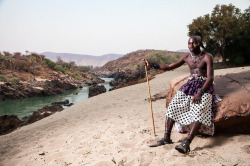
[[58, 86], [233, 112], [96, 90], [9, 123], [61, 102], [129, 77], [9, 91], [42, 113]]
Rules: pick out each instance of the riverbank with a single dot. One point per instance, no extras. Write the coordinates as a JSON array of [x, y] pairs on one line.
[[26, 106], [115, 128]]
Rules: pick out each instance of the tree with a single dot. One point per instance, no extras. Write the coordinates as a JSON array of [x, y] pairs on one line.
[[26, 51], [220, 30], [72, 65], [239, 50], [59, 61]]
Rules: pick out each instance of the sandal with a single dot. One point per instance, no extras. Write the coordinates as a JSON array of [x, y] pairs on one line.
[[162, 141], [183, 147]]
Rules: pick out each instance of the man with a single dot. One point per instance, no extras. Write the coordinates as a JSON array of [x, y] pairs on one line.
[[193, 106]]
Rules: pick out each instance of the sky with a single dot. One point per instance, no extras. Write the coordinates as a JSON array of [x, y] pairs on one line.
[[98, 27]]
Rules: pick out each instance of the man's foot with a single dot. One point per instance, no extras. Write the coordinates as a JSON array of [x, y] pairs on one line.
[[183, 147], [163, 141]]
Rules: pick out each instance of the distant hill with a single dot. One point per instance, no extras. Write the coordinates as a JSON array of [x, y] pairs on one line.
[[81, 59], [183, 50], [132, 61]]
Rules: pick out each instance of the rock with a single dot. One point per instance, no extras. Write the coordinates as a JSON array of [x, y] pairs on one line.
[[58, 86], [42, 113], [21, 90], [96, 90], [68, 105], [233, 112], [161, 95], [123, 79], [9, 123], [61, 102]]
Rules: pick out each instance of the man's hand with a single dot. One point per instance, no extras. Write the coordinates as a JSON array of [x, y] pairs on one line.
[[146, 62], [197, 98]]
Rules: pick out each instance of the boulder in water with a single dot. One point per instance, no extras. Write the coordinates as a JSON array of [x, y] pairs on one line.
[[96, 90], [9, 123]]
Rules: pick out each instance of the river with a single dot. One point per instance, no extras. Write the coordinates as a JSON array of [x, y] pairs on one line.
[[25, 107]]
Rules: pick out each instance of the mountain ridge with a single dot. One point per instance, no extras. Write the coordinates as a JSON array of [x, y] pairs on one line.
[[82, 59]]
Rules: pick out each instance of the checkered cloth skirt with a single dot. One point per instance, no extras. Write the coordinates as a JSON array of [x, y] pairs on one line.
[[184, 113]]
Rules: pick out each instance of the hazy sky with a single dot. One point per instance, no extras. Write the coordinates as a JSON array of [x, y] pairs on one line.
[[98, 27]]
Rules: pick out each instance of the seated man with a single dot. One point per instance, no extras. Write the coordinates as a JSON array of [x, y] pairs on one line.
[[193, 106]]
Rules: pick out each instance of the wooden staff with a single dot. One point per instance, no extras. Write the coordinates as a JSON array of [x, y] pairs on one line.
[[150, 101]]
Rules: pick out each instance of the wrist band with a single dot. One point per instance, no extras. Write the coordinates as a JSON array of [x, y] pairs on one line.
[[202, 91], [155, 65]]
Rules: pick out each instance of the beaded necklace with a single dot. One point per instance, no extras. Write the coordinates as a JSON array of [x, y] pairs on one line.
[[193, 58]]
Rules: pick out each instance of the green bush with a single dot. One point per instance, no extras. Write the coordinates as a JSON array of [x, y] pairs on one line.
[[239, 60], [59, 68], [6, 57], [236, 58], [83, 68], [78, 77], [3, 78], [50, 63], [14, 80], [162, 57]]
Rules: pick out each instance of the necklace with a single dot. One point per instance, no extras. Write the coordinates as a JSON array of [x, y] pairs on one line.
[[193, 58]]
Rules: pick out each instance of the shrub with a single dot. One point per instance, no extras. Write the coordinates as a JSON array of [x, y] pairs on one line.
[[6, 57], [78, 77], [163, 57], [3, 78], [239, 60], [32, 58], [83, 68], [59, 68], [14, 80], [50, 63]]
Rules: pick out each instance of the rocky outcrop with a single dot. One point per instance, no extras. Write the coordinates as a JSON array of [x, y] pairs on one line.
[[17, 91], [130, 61], [61, 102], [9, 91], [42, 113], [123, 79], [233, 112], [129, 69], [96, 90], [9, 123]]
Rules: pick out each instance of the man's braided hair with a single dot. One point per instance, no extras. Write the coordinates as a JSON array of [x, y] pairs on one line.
[[198, 36]]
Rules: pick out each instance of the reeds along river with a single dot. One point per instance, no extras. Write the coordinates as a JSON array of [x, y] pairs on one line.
[[25, 107]]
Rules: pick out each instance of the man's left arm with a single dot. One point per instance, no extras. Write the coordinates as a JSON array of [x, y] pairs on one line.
[[210, 72]]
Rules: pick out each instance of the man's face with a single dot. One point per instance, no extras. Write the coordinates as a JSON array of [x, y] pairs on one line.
[[193, 44]]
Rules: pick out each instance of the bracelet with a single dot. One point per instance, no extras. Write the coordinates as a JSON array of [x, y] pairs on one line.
[[202, 91], [155, 65]]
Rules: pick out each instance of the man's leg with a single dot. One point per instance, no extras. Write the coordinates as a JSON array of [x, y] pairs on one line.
[[193, 132], [168, 127], [184, 146]]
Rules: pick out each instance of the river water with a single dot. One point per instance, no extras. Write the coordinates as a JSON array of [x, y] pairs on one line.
[[25, 107]]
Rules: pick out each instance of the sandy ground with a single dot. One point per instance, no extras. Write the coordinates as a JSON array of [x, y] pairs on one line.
[[115, 128]]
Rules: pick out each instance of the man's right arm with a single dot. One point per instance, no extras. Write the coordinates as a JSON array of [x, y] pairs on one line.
[[174, 65]]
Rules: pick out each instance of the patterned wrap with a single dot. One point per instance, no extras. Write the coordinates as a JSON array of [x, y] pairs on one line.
[[184, 113]]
